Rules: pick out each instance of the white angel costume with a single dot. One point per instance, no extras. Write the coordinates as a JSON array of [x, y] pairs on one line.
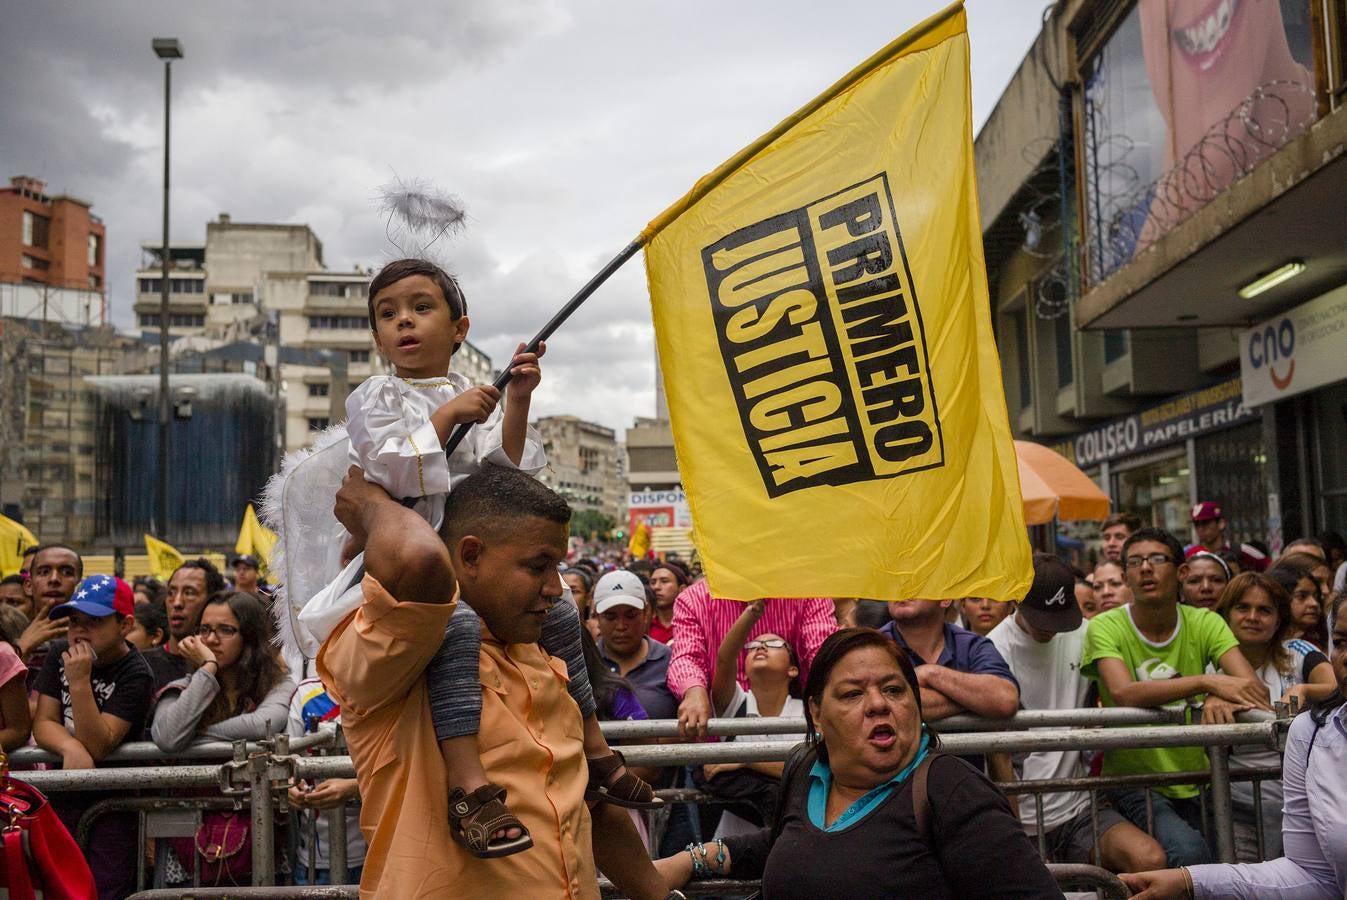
[[389, 434]]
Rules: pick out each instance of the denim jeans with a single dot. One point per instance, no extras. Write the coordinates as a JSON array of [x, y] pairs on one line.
[[325, 875], [1178, 824]]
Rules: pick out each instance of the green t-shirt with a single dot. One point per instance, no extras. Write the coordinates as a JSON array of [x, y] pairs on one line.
[[1200, 638]]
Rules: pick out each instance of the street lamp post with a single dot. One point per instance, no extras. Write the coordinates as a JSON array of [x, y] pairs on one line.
[[167, 49]]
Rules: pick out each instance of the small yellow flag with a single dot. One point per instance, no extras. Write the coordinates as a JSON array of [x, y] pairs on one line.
[[14, 539], [824, 330], [164, 558], [255, 539], [640, 541]]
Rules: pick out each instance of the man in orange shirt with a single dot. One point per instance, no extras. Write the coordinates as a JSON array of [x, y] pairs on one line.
[[501, 541]]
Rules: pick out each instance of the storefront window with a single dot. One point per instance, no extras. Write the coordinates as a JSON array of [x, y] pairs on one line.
[[1231, 469], [1183, 99], [1157, 491]]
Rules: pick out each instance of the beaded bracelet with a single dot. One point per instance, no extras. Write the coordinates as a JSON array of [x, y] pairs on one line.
[[699, 867]]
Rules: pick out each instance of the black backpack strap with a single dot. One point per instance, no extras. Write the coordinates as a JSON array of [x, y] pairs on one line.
[[799, 754], [921, 798]]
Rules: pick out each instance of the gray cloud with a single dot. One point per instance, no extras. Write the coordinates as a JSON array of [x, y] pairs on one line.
[[564, 126]]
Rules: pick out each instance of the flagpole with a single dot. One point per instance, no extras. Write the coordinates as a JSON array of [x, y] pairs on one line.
[[553, 324]]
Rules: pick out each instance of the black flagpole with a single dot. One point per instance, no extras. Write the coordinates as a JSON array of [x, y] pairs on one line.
[[553, 324]]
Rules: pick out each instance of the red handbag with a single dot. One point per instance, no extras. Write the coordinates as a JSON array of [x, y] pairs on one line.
[[39, 858]]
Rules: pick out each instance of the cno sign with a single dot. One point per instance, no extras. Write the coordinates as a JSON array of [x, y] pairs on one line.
[[1295, 352]]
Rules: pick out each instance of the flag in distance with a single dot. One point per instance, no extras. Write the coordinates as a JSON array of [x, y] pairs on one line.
[[14, 539], [255, 539], [824, 331], [639, 546], [164, 558]]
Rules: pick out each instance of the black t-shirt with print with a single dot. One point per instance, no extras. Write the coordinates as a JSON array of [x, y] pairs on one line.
[[123, 688]]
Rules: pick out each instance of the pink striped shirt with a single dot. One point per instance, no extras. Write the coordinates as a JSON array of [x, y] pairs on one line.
[[700, 623]]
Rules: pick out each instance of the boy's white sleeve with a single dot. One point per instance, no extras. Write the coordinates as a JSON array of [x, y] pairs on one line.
[[490, 449], [393, 440]]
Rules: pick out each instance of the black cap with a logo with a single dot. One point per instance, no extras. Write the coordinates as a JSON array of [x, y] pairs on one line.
[[1050, 604]]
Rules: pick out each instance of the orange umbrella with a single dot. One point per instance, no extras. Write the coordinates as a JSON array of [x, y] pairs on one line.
[[1053, 487]]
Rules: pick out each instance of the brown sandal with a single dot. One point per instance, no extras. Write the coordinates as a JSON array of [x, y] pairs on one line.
[[625, 790], [474, 817]]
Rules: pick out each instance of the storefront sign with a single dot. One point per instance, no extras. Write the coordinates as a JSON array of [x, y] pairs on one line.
[[659, 509], [1190, 415], [1295, 352]]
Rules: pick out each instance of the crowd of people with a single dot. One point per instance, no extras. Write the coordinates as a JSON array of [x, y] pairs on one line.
[[473, 657]]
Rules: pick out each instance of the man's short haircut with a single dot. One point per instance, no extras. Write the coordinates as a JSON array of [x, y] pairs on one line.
[[215, 582], [399, 269], [13, 579], [1126, 520], [1305, 542], [492, 498], [42, 548], [1155, 536]]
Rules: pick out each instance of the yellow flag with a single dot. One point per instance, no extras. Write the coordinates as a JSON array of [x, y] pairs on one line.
[[640, 541], [823, 325], [164, 559], [255, 539], [14, 539]]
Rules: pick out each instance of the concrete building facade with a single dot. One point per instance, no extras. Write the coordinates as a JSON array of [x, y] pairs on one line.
[[1152, 203], [48, 432], [582, 464]]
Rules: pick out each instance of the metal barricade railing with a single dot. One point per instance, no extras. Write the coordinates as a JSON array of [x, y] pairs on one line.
[[260, 773]]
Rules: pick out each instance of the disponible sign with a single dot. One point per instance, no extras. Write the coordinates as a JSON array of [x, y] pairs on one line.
[[659, 509], [1190, 415], [1295, 352]]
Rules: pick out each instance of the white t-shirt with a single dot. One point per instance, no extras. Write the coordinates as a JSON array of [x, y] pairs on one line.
[[1049, 677], [1304, 657], [744, 704]]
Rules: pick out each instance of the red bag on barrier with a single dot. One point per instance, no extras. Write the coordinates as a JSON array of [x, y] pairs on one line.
[[224, 843], [38, 857]]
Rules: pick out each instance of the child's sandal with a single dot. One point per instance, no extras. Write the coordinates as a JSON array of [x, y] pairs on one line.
[[474, 817], [625, 790]]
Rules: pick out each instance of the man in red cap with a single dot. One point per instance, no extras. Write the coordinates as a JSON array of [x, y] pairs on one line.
[[1209, 527]]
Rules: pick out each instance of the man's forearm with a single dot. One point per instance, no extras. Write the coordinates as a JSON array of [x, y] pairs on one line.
[[1158, 693], [53, 737], [405, 555], [619, 854], [936, 706], [90, 729], [990, 696]]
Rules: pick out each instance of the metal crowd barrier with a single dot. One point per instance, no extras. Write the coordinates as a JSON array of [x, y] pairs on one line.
[[1104, 883], [259, 773]]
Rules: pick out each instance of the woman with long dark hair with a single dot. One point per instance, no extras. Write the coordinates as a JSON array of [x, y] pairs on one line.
[[1258, 610], [238, 689]]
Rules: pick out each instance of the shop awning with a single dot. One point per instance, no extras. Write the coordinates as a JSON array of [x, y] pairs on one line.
[[1053, 487]]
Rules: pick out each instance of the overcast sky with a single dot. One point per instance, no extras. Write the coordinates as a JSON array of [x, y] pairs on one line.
[[563, 126]]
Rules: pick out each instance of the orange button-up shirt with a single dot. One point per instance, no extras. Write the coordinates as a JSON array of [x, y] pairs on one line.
[[530, 741]]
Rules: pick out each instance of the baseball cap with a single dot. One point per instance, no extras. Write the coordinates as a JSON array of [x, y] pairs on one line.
[[1051, 604], [1206, 511], [618, 588], [246, 558], [98, 596], [1252, 558]]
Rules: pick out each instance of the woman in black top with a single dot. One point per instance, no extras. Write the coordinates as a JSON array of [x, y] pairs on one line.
[[847, 827]]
